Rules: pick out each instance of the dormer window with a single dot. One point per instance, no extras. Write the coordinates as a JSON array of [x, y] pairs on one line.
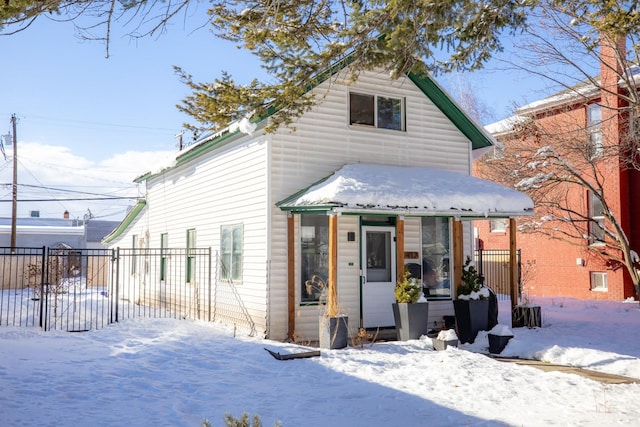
[[376, 111]]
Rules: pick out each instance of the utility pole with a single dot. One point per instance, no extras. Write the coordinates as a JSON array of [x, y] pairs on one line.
[[14, 204]]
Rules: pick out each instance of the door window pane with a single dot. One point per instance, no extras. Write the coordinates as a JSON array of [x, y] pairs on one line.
[[379, 256]]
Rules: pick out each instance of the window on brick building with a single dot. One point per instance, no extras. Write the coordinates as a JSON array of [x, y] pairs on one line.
[[594, 125], [596, 214], [498, 225], [599, 281]]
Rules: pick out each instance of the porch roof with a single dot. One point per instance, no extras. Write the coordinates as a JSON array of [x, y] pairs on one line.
[[412, 191]]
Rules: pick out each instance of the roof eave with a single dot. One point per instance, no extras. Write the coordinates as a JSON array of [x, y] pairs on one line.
[[128, 219], [402, 211]]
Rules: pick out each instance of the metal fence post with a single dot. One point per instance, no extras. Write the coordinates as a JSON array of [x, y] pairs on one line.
[[42, 295], [116, 291]]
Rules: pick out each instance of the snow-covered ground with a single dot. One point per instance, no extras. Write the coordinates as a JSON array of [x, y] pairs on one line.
[[152, 372]]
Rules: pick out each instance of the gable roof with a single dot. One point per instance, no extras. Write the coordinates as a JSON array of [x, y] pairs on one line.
[[373, 189], [478, 136]]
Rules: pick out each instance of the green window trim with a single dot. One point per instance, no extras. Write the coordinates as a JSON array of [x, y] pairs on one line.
[[190, 260]]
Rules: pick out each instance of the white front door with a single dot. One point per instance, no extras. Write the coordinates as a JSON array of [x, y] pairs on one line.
[[379, 275]]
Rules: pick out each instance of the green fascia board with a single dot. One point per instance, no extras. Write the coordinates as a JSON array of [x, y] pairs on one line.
[[478, 138], [126, 222]]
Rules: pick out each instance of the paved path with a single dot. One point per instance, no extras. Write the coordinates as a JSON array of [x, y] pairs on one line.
[[588, 373]]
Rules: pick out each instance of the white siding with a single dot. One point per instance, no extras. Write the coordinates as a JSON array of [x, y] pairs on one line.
[[323, 142], [240, 181], [227, 186]]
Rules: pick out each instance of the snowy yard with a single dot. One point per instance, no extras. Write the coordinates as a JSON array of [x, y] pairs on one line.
[[176, 372]]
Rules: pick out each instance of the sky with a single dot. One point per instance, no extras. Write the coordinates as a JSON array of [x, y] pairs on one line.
[[173, 372], [92, 124]]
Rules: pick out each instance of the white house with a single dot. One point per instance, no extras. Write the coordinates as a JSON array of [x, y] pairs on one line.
[[378, 173]]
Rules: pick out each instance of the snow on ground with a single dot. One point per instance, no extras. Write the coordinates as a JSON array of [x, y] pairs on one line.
[[152, 372]]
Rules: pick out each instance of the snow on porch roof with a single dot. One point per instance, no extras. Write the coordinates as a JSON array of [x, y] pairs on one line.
[[362, 188]]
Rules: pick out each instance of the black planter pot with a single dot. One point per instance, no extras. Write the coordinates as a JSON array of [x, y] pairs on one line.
[[497, 343], [412, 320], [334, 332], [471, 316]]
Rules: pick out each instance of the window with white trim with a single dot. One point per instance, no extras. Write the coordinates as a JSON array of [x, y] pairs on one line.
[[599, 281], [231, 237], [376, 111], [594, 125]]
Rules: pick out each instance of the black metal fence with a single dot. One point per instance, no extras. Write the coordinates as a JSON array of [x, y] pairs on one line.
[[83, 289], [493, 264], [20, 286]]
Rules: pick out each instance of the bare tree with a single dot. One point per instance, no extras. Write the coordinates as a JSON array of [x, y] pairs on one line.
[[567, 150]]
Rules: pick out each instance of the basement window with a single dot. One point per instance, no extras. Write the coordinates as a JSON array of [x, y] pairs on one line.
[[599, 281], [376, 111]]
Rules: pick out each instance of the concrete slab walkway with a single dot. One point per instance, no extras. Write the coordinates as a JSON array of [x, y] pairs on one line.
[[588, 373]]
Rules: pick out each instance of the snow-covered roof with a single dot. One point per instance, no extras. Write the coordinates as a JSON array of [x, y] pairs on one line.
[[586, 90], [366, 188]]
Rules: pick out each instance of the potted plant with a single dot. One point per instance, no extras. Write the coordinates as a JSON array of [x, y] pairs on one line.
[[334, 326], [411, 309], [472, 304], [526, 313]]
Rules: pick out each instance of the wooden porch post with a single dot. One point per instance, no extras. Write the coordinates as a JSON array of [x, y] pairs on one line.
[[291, 280], [400, 248], [513, 263], [458, 255], [332, 296]]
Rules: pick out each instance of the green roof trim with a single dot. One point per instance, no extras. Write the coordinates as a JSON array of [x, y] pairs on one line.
[[126, 222], [474, 132]]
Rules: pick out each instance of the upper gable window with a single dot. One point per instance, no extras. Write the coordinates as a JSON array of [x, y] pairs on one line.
[[376, 111]]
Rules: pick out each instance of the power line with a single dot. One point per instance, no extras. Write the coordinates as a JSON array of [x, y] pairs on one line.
[[60, 189], [73, 199]]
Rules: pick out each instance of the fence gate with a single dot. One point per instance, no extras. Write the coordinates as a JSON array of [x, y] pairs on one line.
[[76, 289], [493, 264]]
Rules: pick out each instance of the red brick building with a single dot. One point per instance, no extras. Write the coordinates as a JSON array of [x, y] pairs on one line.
[[552, 267]]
